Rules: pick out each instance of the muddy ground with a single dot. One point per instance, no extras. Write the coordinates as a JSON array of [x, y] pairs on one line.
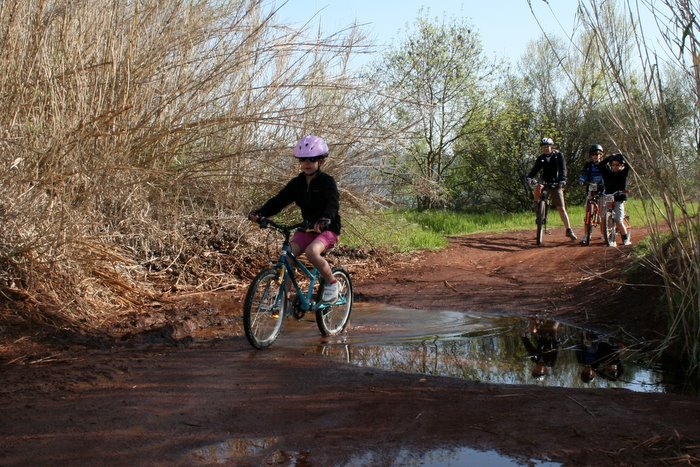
[[191, 391]]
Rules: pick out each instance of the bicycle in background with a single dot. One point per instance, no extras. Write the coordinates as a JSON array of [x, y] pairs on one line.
[[610, 224], [544, 205], [591, 219], [289, 287]]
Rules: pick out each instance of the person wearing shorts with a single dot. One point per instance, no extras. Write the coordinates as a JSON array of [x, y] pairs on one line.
[[316, 194], [553, 167], [615, 169]]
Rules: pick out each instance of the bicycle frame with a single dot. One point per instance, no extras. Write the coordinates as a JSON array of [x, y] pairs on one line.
[[289, 273]]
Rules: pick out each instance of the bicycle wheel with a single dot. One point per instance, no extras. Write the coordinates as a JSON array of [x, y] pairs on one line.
[[264, 309], [332, 319], [610, 228], [589, 222], [541, 220]]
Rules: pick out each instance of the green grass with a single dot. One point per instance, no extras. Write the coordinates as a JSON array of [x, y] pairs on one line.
[[389, 230], [405, 231]]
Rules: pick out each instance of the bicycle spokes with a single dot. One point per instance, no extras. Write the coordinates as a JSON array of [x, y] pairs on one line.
[[264, 309], [332, 318]]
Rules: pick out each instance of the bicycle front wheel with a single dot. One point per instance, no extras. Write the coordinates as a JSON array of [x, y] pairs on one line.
[[264, 309], [332, 318], [541, 220], [589, 222], [610, 228]]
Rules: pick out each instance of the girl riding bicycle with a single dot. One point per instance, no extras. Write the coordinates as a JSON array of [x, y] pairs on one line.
[[316, 193], [615, 170]]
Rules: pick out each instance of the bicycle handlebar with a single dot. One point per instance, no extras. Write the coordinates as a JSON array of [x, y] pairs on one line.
[[550, 185], [265, 222], [535, 182]]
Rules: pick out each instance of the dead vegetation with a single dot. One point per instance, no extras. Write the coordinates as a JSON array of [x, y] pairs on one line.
[[136, 134]]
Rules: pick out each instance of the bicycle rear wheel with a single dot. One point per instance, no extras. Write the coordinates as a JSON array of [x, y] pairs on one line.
[[610, 228], [264, 309], [541, 220], [332, 319]]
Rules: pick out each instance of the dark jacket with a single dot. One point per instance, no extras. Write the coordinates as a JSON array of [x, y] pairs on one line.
[[591, 173], [319, 199], [553, 168], [615, 181]]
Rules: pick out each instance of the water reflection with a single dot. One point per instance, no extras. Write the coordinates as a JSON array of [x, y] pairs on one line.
[[599, 356], [542, 345], [493, 349], [254, 449], [445, 457]]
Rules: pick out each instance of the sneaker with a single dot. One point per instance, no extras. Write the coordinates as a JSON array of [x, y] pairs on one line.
[[570, 234], [584, 242], [626, 241], [330, 293]]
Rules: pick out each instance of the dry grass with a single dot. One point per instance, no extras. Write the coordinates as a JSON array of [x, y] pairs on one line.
[[666, 159], [136, 133]]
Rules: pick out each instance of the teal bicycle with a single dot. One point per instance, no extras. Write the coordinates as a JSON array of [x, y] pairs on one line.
[[289, 287]]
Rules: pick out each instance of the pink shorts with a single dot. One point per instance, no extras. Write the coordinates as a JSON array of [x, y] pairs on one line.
[[304, 239]]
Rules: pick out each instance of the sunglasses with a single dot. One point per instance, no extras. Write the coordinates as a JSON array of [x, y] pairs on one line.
[[309, 159]]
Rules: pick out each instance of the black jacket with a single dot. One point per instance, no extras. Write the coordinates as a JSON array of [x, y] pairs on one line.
[[553, 169], [319, 199], [615, 181]]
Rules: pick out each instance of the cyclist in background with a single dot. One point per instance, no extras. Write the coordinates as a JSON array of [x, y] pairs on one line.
[[316, 193], [553, 167], [591, 173], [615, 170]]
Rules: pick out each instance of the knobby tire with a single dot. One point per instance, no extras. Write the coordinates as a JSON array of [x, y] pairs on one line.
[[332, 319], [589, 222], [541, 220], [610, 228], [264, 309]]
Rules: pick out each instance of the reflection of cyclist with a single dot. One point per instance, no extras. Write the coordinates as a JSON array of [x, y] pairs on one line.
[[553, 167], [587, 355], [615, 170], [542, 346], [591, 173], [316, 193], [598, 357]]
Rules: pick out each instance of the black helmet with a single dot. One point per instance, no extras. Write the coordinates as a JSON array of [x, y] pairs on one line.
[[546, 142], [595, 148]]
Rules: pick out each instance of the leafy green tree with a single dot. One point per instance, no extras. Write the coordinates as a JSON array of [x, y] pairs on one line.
[[439, 78]]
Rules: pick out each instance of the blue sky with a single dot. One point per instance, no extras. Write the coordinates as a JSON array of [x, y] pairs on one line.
[[505, 26]]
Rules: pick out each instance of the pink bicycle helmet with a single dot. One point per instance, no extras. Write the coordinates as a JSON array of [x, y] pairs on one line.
[[311, 146]]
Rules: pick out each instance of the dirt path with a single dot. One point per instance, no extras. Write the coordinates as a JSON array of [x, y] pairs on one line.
[[217, 401]]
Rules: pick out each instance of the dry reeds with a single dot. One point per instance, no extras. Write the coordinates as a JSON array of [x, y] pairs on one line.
[[134, 134], [665, 154]]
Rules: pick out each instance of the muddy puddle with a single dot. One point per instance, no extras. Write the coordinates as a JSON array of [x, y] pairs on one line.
[[489, 349], [223, 452]]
